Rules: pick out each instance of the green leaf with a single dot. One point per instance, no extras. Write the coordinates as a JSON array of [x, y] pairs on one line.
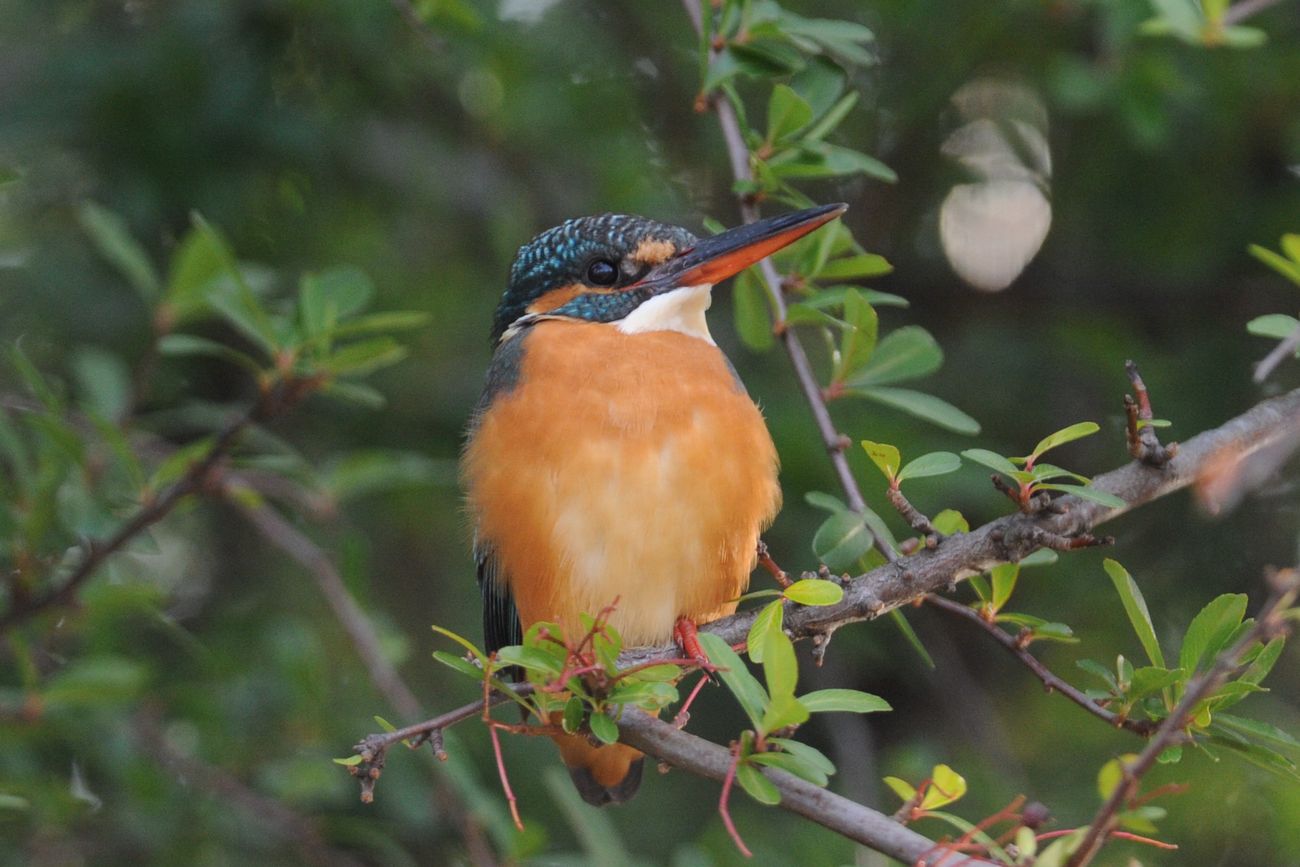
[[787, 113], [856, 267], [243, 311], [770, 618], [905, 790], [379, 323], [1255, 729], [531, 659], [946, 786], [1088, 492], [113, 240], [458, 663], [1209, 629], [780, 668], [750, 309], [992, 460], [604, 728], [1136, 609], [667, 672], [1286, 267], [1112, 774], [349, 762], [731, 668], [331, 296], [1150, 678], [1063, 436], [824, 501], [367, 356], [846, 700], [571, 719], [1098, 670], [884, 456], [463, 642], [759, 787], [785, 710], [907, 353], [766, 58], [810, 756], [910, 636], [1263, 662], [189, 344], [355, 393], [1291, 246], [1054, 632], [1275, 326], [814, 591], [859, 339], [649, 696], [951, 521], [923, 406], [793, 765], [932, 464], [1004, 578], [841, 540]]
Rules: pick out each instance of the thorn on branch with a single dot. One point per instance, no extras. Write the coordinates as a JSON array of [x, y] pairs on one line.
[[1143, 444]]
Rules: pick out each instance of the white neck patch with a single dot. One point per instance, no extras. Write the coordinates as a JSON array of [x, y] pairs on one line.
[[679, 310]]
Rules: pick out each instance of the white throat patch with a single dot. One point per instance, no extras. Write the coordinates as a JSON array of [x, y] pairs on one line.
[[679, 310]]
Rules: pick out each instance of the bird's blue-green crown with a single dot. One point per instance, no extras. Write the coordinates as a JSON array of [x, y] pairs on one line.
[[569, 254]]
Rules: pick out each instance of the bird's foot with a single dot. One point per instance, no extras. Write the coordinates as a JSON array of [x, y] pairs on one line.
[[687, 637]]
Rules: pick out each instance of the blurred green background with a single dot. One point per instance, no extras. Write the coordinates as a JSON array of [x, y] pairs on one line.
[[333, 132]]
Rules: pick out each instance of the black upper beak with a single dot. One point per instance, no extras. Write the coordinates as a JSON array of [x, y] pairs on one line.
[[719, 257]]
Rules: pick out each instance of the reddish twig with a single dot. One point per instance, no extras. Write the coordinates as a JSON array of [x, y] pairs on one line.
[[725, 797], [1269, 622], [1143, 443], [1051, 682], [765, 560]]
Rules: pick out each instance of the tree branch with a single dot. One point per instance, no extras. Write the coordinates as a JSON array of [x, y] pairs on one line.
[[1268, 623], [1050, 680], [847, 818], [1014, 537], [1283, 350], [272, 402]]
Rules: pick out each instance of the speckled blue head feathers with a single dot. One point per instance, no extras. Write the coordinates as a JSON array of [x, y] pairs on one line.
[[577, 268]]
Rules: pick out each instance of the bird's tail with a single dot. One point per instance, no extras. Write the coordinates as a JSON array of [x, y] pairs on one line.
[[608, 774]]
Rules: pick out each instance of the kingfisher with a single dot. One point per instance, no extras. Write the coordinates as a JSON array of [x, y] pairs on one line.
[[615, 453]]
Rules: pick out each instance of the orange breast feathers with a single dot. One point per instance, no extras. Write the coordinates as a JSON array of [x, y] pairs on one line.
[[628, 466]]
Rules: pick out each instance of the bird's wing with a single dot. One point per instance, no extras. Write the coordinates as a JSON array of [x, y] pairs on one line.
[[500, 617]]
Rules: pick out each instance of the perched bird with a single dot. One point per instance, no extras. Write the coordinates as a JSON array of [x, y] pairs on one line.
[[615, 454]]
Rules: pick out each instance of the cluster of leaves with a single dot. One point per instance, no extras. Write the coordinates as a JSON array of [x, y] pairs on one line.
[[576, 678], [1279, 326], [1200, 22], [773, 709], [1030, 476], [1152, 691], [805, 61], [322, 337]]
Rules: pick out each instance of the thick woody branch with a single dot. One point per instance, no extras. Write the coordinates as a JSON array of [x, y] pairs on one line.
[[1268, 624], [848, 818], [1014, 537], [1050, 680]]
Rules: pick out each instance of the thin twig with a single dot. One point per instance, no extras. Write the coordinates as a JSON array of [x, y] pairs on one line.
[[195, 477], [738, 154], [262, 810], [1239, 12], [1050, 680], [1143, 443], [1268, 623], [1283, 350]]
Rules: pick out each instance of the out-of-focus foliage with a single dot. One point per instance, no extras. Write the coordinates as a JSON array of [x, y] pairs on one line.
[[187, 710]]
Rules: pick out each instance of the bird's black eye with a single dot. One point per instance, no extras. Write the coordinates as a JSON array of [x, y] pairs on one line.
[[602, 272]]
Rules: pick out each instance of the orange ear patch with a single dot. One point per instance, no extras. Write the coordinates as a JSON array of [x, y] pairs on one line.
[[654, 251], [559, 297]]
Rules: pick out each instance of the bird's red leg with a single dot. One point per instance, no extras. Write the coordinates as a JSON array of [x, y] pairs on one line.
[[687, 637]]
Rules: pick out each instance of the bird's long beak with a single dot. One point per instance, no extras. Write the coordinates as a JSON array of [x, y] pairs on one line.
[[719, 257]]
